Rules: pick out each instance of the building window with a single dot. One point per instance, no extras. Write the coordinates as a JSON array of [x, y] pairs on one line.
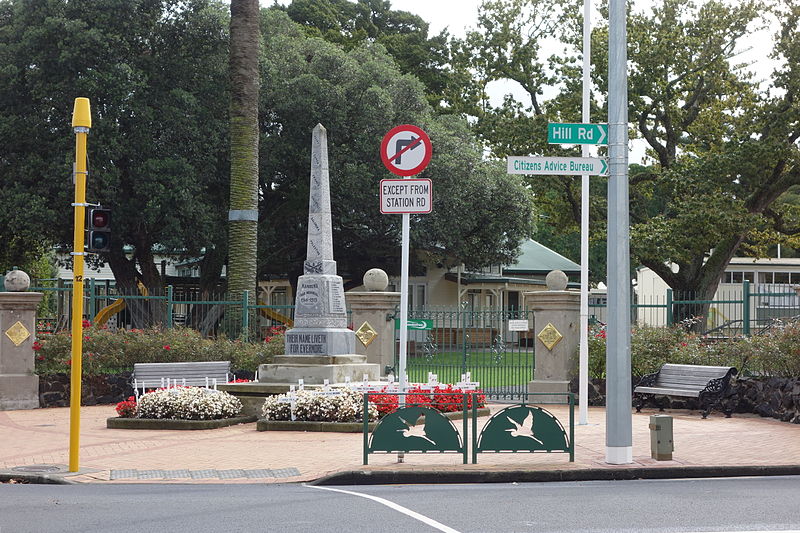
[[781, 277]]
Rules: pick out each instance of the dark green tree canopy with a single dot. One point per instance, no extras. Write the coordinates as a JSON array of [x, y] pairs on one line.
[[359, 95], [156, 75], [156, 72], [403, 34]]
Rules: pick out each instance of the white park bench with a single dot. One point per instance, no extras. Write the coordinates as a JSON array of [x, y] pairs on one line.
[[195, 373]]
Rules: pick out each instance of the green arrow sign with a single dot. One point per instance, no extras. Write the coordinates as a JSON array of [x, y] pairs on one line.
[[558, 133], [557, 166], [414, 324]]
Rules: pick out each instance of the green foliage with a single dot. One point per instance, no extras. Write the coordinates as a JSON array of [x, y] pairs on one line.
[[722, 147], [106, 351], [480, 214], [156, 76], [403, 34], [775, 353]]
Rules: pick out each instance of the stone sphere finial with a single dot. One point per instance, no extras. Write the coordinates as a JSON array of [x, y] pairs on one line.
[[556, 280], [17, 281], [376, 279]]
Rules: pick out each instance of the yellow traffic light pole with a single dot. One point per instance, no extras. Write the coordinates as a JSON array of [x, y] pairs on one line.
[[81, 122]]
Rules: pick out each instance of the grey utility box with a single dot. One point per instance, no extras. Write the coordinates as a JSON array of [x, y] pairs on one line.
[[661, 446]]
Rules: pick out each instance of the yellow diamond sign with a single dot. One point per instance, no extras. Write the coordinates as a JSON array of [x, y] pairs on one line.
[[18, 333], [366, 334], [550, 336]]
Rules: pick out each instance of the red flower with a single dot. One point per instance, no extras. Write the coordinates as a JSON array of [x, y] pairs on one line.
[[69, 362], [166, 347], [86, 323], [36, 346], [40, 358]]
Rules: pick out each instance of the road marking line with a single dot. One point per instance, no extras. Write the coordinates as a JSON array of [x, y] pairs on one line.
[[397, 507]]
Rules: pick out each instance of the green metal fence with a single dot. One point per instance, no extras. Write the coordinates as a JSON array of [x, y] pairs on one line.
[[735, 310], [237, 316], [478, 341]]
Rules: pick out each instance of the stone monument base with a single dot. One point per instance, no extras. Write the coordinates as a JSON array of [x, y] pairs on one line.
[[19, 391], [314, 370], [548, 386]]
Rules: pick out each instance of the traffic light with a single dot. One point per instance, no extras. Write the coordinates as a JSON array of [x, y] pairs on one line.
[[99, 237]]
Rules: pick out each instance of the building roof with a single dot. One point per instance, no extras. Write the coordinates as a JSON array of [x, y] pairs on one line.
[[471, 278], [536, 258]]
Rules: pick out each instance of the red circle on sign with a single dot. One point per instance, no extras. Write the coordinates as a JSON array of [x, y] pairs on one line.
[[389, 159]]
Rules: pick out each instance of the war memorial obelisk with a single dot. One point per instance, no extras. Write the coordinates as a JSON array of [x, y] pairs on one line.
[[319, 346]]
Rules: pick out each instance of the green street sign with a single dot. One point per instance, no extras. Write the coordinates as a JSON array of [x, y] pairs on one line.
[[558, 133], [557, 166], [423, 324]]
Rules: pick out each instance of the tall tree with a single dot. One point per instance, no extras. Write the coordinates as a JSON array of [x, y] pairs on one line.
[[723, 149], [157, 158], [358, 96], [243, 217], [405, 35]]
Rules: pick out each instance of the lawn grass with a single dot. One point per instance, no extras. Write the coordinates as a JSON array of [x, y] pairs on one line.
[[513, 368]]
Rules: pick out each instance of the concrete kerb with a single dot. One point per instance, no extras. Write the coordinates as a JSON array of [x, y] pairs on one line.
[[401, 477]]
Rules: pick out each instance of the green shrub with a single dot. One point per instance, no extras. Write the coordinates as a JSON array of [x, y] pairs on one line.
[[775, 353], [106, 351]]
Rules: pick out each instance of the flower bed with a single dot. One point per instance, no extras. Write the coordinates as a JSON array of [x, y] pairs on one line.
[[181, 403], [348, 405], [308, 405]]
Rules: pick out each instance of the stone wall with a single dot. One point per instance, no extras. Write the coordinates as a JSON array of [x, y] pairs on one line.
[[777, 398], [54, 389]]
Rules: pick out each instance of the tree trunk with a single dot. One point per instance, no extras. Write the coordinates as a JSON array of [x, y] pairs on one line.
[[243, 217]]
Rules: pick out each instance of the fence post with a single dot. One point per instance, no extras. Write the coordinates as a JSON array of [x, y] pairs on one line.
[[365, 417], [746, 307], [670, 317], [245, 314], [169, 307], [92, 304]]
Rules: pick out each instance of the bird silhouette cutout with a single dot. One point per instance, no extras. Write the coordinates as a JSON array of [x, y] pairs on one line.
[[525, 429], [412, 430]]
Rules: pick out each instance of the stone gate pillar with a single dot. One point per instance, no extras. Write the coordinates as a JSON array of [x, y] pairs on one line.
[[371, 310], [556, 318], [19, 386]]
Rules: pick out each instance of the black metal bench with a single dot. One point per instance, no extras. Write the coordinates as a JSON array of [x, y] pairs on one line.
[[194, 373], [708, 384]]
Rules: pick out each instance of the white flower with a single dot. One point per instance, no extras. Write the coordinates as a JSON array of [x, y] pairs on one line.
[[189, 403], [310, 405]]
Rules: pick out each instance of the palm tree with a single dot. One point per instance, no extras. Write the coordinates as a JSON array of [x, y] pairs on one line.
[[243, 217]]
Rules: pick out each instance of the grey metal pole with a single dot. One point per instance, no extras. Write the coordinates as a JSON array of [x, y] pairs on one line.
[[619, 438], [583, 367]]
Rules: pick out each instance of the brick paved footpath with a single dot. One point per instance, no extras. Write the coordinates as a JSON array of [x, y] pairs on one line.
[[240, 454]]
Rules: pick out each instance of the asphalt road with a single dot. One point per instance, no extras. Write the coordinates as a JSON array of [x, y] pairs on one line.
[[697, 505]]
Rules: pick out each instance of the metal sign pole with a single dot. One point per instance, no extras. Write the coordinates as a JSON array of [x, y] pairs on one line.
[[583, 370], [404, 307], [619, 437], [81, 123]]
